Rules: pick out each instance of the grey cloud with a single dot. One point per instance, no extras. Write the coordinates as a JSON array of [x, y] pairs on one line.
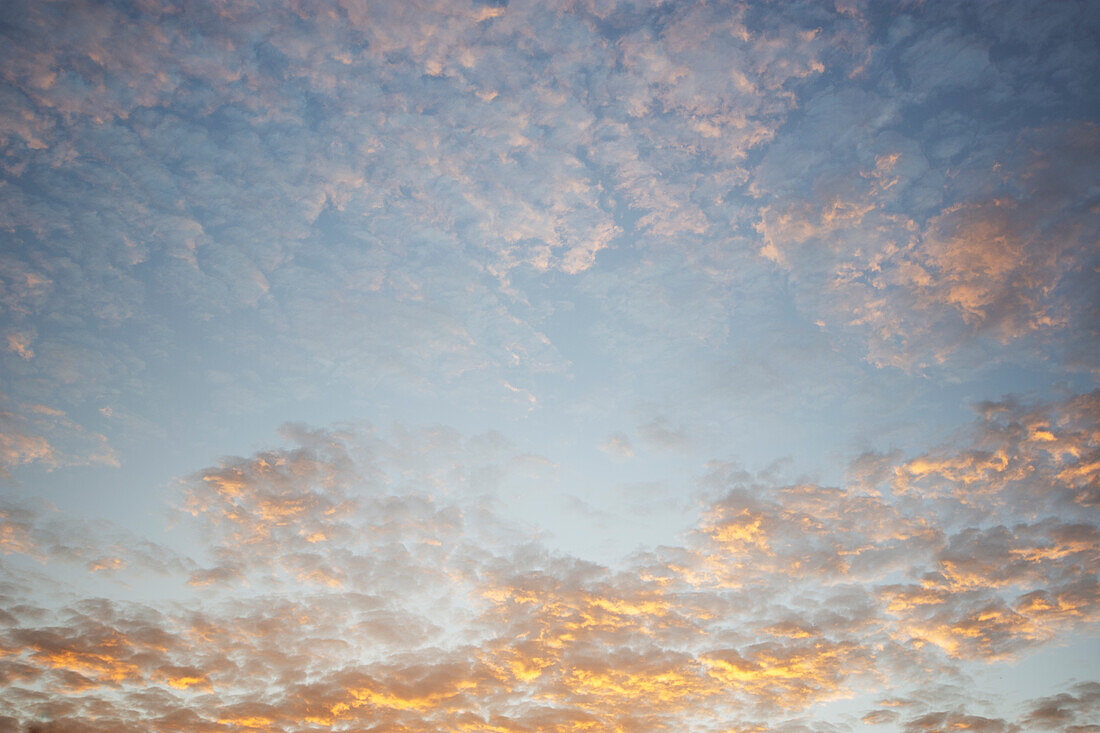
[[659, 434], [1066, 708]]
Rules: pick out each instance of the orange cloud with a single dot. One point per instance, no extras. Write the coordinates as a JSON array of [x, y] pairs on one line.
[[784, 596]]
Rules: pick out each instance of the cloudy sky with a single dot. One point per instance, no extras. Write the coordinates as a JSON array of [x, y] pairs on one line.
[[569, 365]]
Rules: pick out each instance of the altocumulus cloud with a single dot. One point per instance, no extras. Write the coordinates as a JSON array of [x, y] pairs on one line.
[[329, 593], [659, 227]]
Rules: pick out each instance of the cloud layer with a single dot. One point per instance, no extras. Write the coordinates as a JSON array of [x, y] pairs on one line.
[[331, 592], [744, 263]]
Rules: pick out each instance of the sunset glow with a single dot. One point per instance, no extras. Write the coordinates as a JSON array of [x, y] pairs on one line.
[[585, 365]]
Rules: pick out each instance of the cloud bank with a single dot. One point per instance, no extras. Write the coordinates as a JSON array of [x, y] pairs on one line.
[[330, 592]]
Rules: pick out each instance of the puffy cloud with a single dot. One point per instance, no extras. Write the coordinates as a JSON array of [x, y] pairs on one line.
[[342, 595], [1000, 263], [1066, 708], [359, 189], [233, 206], [958, 721], [917, 211], [1035, 456]]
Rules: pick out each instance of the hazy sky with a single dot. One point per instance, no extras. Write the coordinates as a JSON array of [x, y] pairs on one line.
[[579, 365]]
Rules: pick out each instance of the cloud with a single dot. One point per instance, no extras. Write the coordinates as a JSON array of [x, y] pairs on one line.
[[1066, 708], [447, 163], [922, 242], [958, 721], [618, 445], [352, 598], [40, 434], [657, 433], [222, 210], [995, 265], [1031, 455]]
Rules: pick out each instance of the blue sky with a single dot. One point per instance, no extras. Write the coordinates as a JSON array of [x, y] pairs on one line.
[[558, 366]]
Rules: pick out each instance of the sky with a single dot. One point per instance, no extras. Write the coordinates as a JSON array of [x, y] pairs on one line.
[[565, 365]]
